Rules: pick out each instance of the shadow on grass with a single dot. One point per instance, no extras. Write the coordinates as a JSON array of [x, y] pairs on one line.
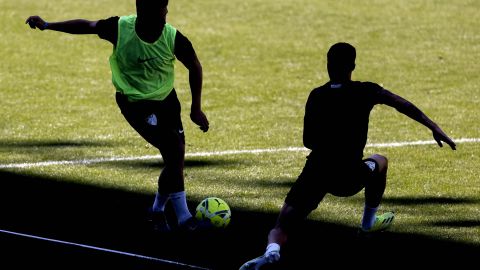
[[158, 163], [424, 200], [53, 143], [429, 200], [115, 219], [457, 223]]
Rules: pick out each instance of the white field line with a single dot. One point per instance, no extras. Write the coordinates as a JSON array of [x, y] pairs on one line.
[[148, 258], [214, 153]]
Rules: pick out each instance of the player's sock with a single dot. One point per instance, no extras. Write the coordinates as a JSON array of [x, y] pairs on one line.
[[179, 202], [368, 217], [272, 254], [272, 247], [160, 202]]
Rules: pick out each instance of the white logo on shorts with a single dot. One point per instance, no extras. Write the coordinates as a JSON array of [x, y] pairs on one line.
[[370, 165], [152, 120]]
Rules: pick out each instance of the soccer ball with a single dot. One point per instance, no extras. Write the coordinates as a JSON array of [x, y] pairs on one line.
[[214, 210]]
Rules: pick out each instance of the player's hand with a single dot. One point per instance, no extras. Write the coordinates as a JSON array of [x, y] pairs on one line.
[[199, 118], [36, 22], [440, 137]]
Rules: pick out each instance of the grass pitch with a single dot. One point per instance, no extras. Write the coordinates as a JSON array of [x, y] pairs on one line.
[[261, 58]]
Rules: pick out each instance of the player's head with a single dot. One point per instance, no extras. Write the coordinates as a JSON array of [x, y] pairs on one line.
[[152, 9], [341, 61]]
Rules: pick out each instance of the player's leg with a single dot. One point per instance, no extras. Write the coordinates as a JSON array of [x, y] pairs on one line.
[[159, 123], [375, 185], [171, 180], [303, 197], [376, 180], [170, 140], [143, 119], [288, 220]]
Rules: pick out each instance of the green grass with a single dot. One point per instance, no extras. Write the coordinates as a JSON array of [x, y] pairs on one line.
[[261, 58]]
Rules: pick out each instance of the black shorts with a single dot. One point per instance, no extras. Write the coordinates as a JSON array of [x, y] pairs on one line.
[[322, 176], [157, 121]]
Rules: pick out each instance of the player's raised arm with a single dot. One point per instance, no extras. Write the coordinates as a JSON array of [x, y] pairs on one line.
[[76, 26], [404, 106]]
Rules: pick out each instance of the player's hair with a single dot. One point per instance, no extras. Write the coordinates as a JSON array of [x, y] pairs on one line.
[[341, 58], [163, 3], [153, 4]]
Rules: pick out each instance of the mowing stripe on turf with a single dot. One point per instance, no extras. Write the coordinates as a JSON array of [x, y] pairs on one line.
[[103, 249], [214, 153]]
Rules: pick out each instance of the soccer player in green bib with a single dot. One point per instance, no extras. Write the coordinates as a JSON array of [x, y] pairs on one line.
[[145, 47]]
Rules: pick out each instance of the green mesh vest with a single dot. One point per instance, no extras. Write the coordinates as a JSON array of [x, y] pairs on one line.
[[141, 70]]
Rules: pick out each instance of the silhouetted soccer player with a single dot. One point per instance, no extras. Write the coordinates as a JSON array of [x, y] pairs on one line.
[[142, 63], [335, 129]]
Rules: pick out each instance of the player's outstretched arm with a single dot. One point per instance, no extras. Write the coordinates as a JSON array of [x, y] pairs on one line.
[[77, 26], [404, 106]]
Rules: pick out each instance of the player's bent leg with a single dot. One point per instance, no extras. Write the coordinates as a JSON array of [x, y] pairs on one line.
[[377, 180], [374, 190]]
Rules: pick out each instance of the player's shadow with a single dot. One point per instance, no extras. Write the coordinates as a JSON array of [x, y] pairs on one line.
[[158, 163], [116, 219], [457, 223], [428, 200], [52, 143]]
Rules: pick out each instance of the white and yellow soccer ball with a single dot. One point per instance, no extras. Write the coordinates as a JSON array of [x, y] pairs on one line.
[[214, 210]]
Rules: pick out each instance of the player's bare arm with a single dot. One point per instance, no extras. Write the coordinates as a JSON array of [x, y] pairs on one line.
[[195, 77], [76, 26], [409, 109]]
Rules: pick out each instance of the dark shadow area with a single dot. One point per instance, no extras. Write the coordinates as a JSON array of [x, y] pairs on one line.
[[53, 143], [116, 219], [458, 223], [158, 163], [425, 200], [24, 253], [429, 200]]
